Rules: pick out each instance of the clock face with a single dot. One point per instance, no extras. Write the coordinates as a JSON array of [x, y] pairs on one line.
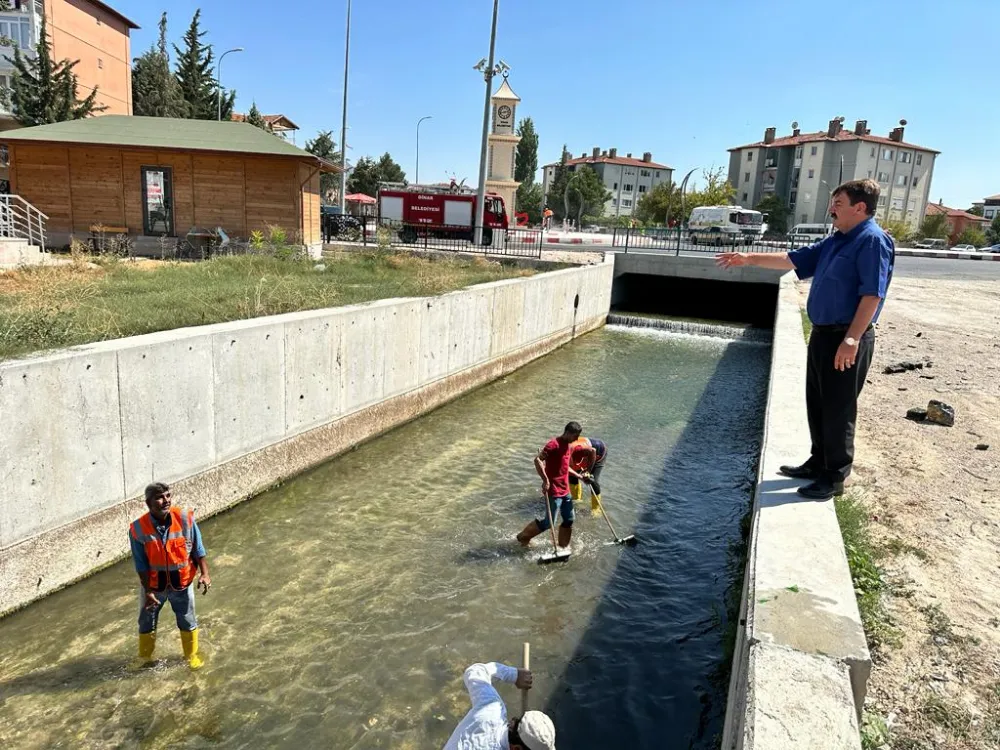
[[503, 112]]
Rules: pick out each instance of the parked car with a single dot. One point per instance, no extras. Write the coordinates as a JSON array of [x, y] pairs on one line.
[[991, 249], [931, 244], [965, 248]]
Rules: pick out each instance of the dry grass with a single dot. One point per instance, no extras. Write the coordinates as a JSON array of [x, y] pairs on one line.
[[81, 302]]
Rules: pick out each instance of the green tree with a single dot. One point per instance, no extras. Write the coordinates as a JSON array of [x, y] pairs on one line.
[[993, 231], [900, 230], [526, 164], [972, 236], [717, 192], [529, 195], [195, 75], [555, 199], [324, 147], [660, 205], [976, 210], [585, 194], [255, 118], [529, 201], [935, 226], [776, 212], [155, 91], [368, 174], [42, 91]]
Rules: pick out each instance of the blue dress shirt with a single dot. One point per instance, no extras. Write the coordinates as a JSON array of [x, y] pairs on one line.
[[845, 267]]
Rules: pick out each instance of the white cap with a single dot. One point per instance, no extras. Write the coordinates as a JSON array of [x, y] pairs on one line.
[[537, 731]]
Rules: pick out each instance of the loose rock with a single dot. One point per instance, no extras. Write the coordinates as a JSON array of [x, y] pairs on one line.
[[905, 366], [940, 413], [983, 447], [916, 414]]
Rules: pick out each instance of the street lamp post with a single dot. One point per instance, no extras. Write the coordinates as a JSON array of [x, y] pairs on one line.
[[218, 76], [488, 72], [826, 213], [343, 129], [416, 178]]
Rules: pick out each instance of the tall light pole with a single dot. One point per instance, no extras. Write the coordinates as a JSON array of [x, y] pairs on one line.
[[488, 74], [829, 194], [218, 76], [416, 178], [343, 128]]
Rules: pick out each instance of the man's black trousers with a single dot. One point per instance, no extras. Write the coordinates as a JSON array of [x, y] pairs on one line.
[[832, 400]]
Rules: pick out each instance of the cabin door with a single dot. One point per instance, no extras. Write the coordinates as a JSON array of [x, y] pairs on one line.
[[157, 201]]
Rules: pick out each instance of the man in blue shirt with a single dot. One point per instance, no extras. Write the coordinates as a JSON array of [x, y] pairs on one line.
[[850, 271]]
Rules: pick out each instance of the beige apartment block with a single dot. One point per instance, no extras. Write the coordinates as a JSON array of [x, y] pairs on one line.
[[804, 168]]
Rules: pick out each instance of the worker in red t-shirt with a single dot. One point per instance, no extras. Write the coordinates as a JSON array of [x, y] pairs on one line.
[[552, 465]]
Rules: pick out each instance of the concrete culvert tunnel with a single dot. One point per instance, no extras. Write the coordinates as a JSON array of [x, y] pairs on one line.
[[693, 287]]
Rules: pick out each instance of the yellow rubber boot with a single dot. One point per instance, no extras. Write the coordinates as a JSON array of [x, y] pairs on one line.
[[189, 640], [576, 491], [147, 644], [595, 504]]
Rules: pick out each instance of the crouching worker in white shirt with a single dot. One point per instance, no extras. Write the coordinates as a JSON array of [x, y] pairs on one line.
[[486, 727]]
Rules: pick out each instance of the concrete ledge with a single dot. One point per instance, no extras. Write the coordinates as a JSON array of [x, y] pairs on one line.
[[798, 597], [797, 701], [223, 412], [690, 267]]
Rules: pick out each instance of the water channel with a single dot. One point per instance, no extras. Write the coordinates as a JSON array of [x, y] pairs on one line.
[[347, 603]]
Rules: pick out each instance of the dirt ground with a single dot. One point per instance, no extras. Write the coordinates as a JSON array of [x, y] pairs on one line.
[[934, 500]]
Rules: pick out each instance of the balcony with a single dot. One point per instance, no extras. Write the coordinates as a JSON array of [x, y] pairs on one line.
[[769, 179]]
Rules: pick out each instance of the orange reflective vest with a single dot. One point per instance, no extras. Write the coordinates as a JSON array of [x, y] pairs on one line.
[[579, 452], [170, 564]]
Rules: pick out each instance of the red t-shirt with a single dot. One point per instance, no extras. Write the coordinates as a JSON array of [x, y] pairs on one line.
[[556, 455]]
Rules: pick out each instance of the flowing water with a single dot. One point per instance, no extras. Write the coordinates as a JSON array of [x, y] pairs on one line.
[[347, 603]]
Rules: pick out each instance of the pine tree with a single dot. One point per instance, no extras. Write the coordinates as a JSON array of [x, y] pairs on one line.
[[255, 118], [43, 91], [155, 91], [527, 152], [529, 195], [324, 147], [195, 75]]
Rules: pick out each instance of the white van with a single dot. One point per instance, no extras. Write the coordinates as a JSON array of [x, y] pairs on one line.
[[807, 234], [725, 225]]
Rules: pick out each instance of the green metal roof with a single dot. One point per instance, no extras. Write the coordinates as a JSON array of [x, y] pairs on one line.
[[163, 132]]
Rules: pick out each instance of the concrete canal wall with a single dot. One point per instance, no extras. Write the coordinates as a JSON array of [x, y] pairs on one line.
[[801, 663], [224, 411]]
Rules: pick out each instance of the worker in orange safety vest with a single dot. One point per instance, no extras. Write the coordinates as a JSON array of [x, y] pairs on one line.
[[167, 551]]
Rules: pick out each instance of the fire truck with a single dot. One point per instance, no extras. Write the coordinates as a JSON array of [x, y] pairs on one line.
[[445, 211]]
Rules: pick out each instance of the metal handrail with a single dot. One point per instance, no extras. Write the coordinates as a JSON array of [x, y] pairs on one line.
[[19, 219]]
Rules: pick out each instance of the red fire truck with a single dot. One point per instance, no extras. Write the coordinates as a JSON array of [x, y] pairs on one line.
[[438, 211]]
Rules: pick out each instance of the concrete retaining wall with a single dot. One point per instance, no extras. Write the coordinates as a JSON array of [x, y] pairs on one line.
[[225, 411], [801, 663]]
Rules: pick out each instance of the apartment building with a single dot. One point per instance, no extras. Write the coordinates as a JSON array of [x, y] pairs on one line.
[[86, 30], [626, 178], [804, 168], [990, 206]]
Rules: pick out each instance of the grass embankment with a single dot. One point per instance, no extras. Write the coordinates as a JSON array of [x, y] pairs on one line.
[[55, 306]]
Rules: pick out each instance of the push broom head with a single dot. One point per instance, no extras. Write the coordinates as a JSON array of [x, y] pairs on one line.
[[560, 556]]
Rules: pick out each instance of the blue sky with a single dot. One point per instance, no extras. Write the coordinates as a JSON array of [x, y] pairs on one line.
[[683, 79]]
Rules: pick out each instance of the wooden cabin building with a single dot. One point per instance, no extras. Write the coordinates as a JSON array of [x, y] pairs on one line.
[[156, 177]]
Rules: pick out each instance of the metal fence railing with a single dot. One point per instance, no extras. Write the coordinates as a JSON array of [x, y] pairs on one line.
[[678, 240], [515, 242], [21, 220]]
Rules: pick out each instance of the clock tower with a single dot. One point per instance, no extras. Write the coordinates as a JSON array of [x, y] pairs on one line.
[[503, 147]]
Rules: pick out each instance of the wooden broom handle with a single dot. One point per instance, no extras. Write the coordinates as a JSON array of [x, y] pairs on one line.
[[525, 664]]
